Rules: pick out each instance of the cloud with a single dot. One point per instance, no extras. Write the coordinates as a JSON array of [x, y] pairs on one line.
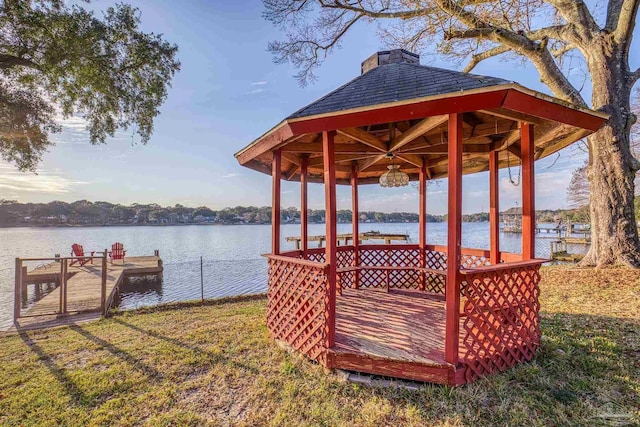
[[73, 122], [74, 131], [551, 190], [256, 91], [259, 83], [229, 175], [17, 183], [398, 201]]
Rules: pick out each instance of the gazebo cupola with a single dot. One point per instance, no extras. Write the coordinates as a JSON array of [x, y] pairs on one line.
[[443, 314]]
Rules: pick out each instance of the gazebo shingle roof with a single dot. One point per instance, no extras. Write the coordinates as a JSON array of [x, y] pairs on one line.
[[398, 106], [396, 82]]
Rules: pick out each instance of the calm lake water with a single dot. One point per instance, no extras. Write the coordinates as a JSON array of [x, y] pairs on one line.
[[231, 253]]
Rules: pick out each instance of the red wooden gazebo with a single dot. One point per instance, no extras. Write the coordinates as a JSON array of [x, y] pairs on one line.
[[442, 314]]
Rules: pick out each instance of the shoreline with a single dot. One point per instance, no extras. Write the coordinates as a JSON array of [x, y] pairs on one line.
[[185, 225]]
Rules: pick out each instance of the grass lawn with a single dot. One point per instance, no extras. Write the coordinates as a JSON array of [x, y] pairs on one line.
[[215, 365]]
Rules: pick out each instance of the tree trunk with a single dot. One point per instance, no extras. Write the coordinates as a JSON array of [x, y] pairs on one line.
[[612, 168]]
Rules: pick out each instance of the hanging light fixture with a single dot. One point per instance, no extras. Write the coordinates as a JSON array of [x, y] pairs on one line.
[[394, 177]]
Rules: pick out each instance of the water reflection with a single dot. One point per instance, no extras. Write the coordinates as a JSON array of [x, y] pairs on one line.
[[35, 292], [140, 291]]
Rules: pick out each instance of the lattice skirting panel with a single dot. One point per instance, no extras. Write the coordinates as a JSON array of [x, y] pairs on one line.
[[296, 306], [501, 325]]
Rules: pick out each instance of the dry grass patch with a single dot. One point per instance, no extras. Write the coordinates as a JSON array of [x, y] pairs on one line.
[[215, 365]]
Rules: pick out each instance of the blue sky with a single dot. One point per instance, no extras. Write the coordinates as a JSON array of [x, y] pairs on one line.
[[228, 93]]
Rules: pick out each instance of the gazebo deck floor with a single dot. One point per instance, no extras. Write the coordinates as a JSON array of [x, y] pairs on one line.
[[399, 333]]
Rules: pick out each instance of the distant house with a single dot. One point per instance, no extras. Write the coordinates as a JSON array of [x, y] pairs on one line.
[[512, 220]]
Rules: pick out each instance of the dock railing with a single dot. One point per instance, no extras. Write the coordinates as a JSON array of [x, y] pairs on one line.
[[22, 280]]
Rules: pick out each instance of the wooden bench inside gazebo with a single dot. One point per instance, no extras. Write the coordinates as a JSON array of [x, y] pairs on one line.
[[442, 314]]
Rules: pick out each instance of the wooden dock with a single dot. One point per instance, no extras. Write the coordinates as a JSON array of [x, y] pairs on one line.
[[346, 237], [559, 251], [79, 294]]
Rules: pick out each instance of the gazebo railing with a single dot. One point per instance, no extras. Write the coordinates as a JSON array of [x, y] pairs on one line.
[[296, 308], [396, 266], [500, 313]]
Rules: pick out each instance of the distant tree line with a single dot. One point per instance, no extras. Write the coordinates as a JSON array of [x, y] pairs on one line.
[[84, 212]]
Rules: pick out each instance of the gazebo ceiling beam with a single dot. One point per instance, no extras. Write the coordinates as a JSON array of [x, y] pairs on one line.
[[547, 148], [418, 143], [291, 158], [367, 163], [480, 140], [339, 168], [468, 159], [411, 158], [499, 127], [509, 139], [471, 119], [318, 161], [442, 149], [378, 170], [403, 126], [515, 150], [437, 148], [291, 172], [494, 127], [480, 135], [422, 127], [512, 115], [365, 138], [344, 148], [353, 158]]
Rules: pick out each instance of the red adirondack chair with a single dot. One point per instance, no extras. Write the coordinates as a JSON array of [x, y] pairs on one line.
[[117, 252], [78, 251]]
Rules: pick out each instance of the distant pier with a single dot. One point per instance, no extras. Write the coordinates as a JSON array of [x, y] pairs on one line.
[[346, 237], [58, 291]]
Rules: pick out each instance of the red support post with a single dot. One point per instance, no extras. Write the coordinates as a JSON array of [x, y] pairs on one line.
[[103, 285], [527, 148], [422, 222], [454, 234], [328, 152], [355, 226], [494, 209], [17, 301], [275, 202], [304, 200]]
